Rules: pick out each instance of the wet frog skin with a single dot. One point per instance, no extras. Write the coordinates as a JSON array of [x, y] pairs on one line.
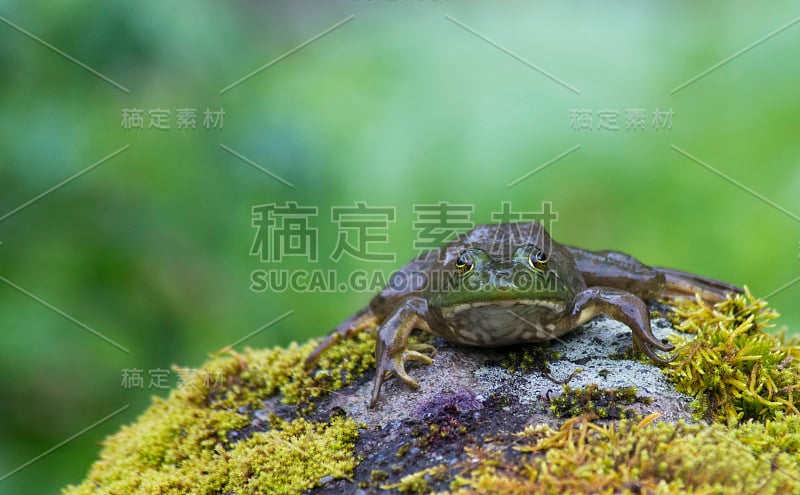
[[507, 284]]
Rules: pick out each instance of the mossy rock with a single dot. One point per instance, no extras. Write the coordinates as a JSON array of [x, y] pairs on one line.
[[722, 418]]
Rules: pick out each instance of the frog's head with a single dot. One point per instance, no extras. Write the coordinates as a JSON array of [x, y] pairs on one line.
[[474, 277], [497, 296]]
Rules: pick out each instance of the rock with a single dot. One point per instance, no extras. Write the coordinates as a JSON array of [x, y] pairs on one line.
[[528, 419], [469, 394], [589, 355]]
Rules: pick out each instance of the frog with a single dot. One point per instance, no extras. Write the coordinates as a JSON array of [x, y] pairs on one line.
[[509, 284]]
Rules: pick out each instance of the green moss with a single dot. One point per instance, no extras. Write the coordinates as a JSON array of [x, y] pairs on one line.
[[403, 450], [631, 353], [417, 482], [182, 445], [440, 432], [645, 457], [584, 457], [290, 459], [378, 475], [533, 357], [287, 460], [604, 403], [736, 369]]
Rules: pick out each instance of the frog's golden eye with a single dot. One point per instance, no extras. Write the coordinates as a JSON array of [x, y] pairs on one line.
[[464, 262], [538, 259]]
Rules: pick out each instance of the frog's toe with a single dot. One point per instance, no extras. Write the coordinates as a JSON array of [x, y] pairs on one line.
[[651, 346], [410, 355], [417, 356], [424, 348], [657, 358], [647, 339], [397, 366], [384, 371], [664, 345], [400, 367]]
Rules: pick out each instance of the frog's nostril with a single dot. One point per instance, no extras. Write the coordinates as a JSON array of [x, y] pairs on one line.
[[503, 280]]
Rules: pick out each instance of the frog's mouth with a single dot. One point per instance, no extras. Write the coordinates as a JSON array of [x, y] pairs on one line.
[[506, 304]]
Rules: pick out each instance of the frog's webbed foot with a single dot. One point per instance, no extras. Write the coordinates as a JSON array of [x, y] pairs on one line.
[[649, 347], [625, 308], [357, 323], [393, 350], [396, 366]]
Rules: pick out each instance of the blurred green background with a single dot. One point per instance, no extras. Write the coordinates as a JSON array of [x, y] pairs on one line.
[[398, 106]]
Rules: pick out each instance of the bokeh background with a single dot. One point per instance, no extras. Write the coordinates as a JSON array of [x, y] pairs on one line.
[[400, 105]]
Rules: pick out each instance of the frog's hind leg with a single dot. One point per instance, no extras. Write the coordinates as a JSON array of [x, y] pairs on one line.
[[681, 285], [618, 270], [622, 271], [623, 307], [357, 323]]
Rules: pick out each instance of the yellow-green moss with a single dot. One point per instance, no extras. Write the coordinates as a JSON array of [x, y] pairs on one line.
[[644, 457], [403, 450], [378, 475], [605, 403], [181, 444], [584, 457], [417, 482], [530, 358], [287, 460], [735, 369], [246, 379], [290, 459]]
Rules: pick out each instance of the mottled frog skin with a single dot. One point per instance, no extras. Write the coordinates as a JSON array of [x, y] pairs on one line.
[[505, 284]]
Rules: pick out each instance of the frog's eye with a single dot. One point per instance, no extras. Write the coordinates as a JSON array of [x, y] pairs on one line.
[[464, 262], [538, 259]]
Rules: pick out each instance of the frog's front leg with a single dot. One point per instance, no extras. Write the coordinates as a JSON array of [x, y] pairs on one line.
[[392, 349], [621, 306]]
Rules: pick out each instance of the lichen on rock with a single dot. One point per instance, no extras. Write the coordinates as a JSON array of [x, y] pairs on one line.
[[522, 420]]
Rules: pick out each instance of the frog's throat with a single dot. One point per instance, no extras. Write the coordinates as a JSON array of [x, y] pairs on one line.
[[553, 305]]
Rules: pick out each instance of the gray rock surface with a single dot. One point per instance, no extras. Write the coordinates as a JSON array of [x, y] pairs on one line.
[[590, 354]]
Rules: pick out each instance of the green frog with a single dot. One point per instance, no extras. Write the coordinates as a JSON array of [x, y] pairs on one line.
[[506, 284]]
